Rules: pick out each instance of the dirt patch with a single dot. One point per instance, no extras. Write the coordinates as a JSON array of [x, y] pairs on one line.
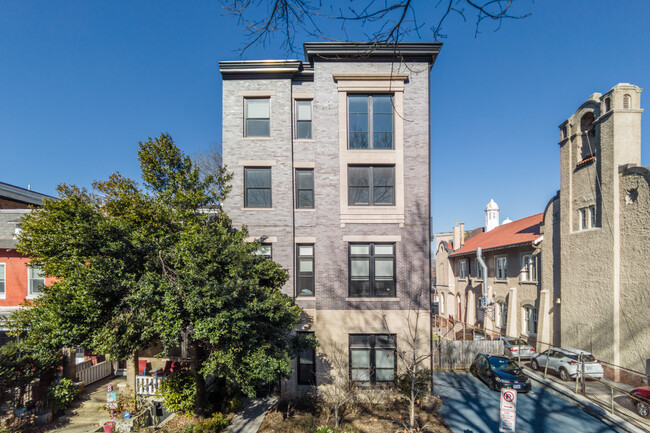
[[305, 417]]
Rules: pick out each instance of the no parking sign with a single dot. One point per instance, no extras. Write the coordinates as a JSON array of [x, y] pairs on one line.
[[508, 410]]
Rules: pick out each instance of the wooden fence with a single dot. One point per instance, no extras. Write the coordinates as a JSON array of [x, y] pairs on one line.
[[458, 355], [92, 373]]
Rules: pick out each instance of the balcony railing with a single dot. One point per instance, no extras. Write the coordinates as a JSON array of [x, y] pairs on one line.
[[147, 385]]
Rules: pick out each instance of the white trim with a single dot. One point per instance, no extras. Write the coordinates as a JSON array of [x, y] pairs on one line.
[[267, 239], [303, 95], [31, 295], [258, 163], [256, 93], [305, 240], [372, 238]]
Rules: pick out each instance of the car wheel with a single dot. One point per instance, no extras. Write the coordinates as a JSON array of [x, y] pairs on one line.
[[473, 371], [534, 364], [642, 409], [493, 385], [564, 375]]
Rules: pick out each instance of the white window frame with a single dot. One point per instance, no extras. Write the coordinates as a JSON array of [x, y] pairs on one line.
[[3, 279], [529, 312], [498, 269], [526, 261], [30, 293], [462, 269], [587, 217]]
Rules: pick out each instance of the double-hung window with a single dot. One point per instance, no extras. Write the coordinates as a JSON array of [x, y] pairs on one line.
[[307, 366], [529, 268], [257, 187], [462, 269], [372, 269], [371, 185], [305, 265], [3, 280], [501, 267], [303, 119], [265, 250], [36, 281], [370, 122], [257, 117], [588, 217], [530, 320], [304, 188], [479, 270], [372, 358]]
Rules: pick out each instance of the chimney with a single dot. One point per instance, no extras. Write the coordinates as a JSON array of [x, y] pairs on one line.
[[456, 240], [462, 234]]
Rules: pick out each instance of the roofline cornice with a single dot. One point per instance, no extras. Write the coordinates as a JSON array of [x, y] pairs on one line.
[[427, 51], [274, 67]]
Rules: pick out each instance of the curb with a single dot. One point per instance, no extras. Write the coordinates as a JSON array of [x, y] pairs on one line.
[[583, 403]]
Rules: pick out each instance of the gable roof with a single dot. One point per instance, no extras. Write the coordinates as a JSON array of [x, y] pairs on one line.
[[21, 195], [520, 232]]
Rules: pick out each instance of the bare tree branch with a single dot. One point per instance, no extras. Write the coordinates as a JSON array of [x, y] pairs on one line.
[[388, 21]]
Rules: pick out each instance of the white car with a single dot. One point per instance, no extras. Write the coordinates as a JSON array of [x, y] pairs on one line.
[[564, 361]]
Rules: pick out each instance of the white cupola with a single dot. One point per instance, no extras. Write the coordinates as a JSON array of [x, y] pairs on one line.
[[491, 215]]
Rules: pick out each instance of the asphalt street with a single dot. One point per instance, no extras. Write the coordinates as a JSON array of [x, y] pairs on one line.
[[468, 406]]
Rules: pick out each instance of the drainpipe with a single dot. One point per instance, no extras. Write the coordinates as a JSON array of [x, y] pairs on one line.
[[479, 256]]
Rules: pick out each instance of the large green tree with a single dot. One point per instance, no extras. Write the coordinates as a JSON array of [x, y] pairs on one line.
[[159, 264]]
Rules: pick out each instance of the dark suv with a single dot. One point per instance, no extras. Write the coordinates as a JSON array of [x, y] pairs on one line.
[[499, 372]]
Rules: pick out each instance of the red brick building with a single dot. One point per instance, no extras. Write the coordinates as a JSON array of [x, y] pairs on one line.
[[18, 281]]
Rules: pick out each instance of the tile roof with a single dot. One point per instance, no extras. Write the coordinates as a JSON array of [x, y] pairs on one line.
[[520, 232]]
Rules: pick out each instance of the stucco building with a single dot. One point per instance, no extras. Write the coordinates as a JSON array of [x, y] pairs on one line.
[[596, 233], [330, 159]]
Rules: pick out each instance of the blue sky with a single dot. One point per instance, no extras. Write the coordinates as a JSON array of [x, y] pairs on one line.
[[82, 82]]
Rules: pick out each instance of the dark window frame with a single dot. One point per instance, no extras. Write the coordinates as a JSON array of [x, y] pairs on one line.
[[268, 256], [372, 347], [310, 121], [300, 205], [370, 112], [371, 269], [311, 379], [299, 278], [247, 188], [371, 186], [246, 118]]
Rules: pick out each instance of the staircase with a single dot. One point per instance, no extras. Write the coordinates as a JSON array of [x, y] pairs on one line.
[[88, 409]]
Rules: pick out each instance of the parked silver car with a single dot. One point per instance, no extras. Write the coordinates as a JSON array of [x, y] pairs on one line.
[[516, 348], [564, 361]]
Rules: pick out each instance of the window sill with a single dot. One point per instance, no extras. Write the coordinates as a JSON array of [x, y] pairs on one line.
[[529, 282], [257, 138], [305, 210], [500, 281], [306, 140], [257, 208], [32, 296], [372, 299]]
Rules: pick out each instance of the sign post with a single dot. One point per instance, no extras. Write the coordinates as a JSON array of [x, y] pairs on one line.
[[508, 410]]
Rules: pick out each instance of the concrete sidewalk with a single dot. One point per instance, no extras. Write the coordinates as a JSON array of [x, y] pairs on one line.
[[250, 418]]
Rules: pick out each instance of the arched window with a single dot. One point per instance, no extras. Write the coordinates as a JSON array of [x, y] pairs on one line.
[[608, 104], [588, 148], [627, 99], [530, 320]]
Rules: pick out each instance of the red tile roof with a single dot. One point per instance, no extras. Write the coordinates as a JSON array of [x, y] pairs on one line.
[[520, 232]]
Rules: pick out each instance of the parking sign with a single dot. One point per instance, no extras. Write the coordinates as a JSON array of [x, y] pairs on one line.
[[508, 410]]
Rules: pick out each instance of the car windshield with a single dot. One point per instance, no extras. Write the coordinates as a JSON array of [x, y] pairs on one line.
[[586, 357], [517, 342], [505, 365]]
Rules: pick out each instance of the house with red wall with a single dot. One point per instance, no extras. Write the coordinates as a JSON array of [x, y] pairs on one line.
[[18, 281]]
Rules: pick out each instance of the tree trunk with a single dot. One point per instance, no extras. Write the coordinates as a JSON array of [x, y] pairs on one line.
[[200, 400], [336, 416]]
